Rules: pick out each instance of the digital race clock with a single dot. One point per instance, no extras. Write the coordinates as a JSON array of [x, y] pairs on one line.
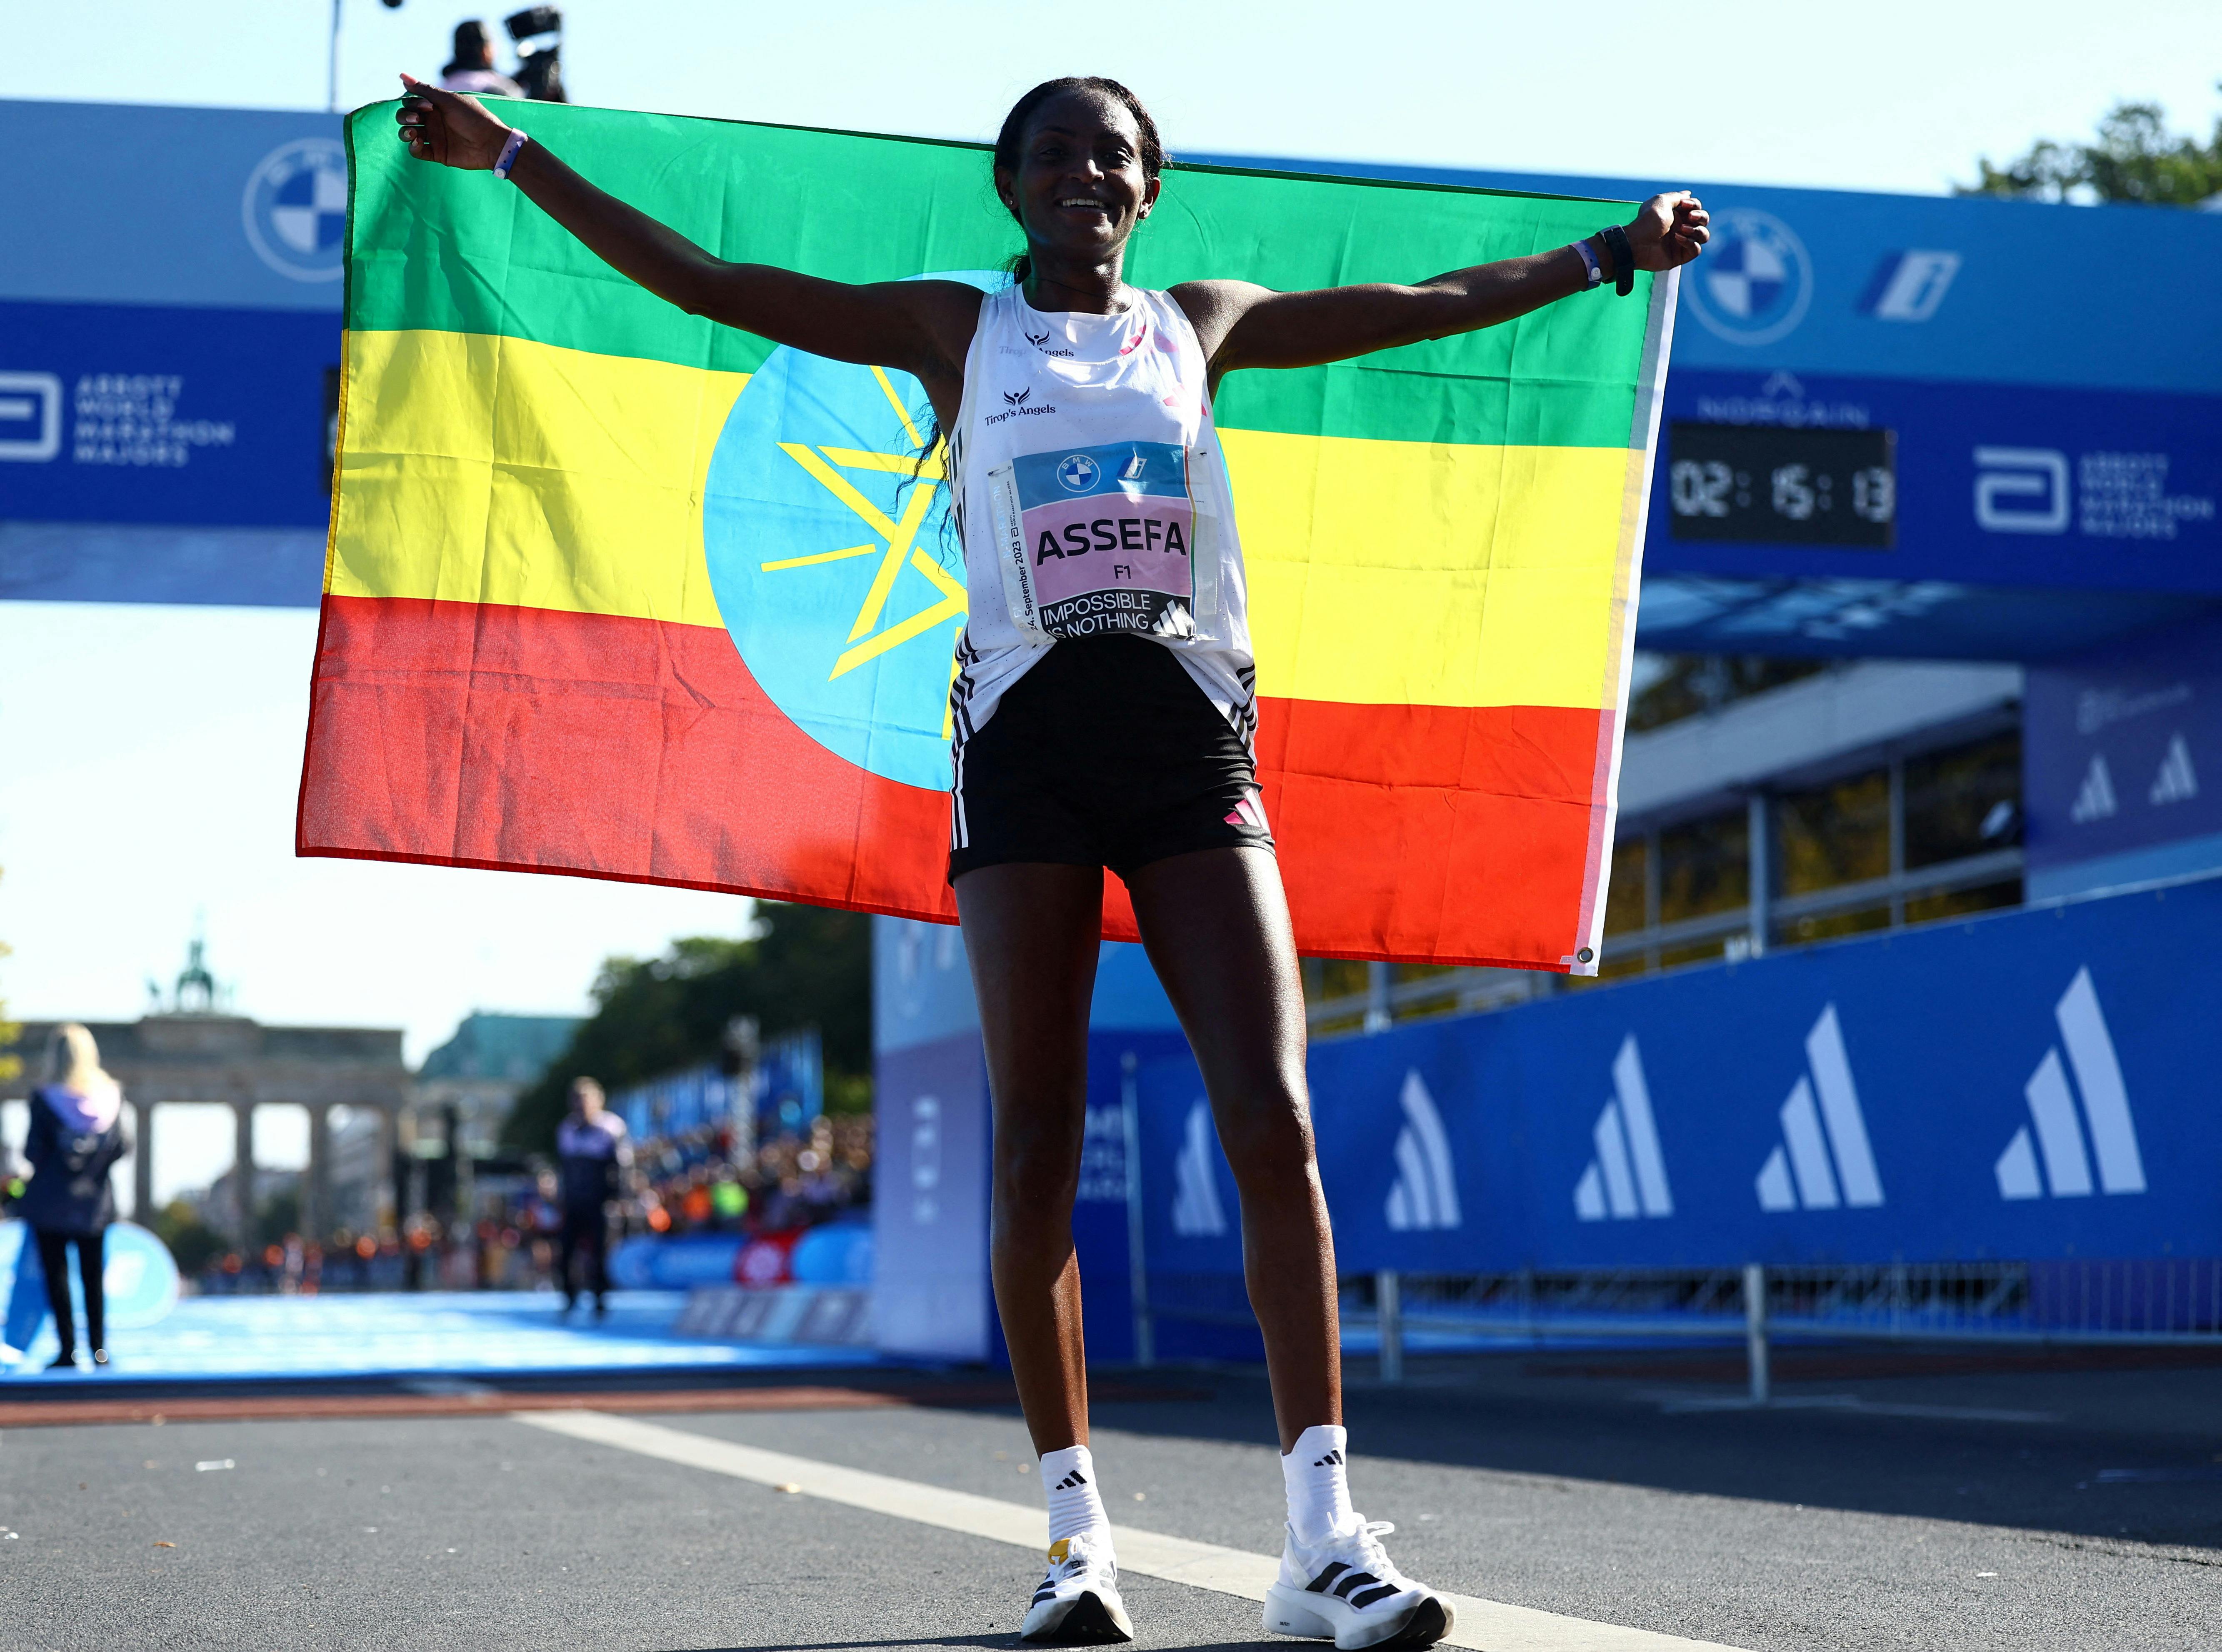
[[1786, 487]]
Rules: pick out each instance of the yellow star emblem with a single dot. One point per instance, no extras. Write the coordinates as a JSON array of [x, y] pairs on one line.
[[892, 542]]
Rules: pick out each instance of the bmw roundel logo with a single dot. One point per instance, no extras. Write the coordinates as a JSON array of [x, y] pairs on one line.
[[1078, 472], [1756, 281], [295, 208]]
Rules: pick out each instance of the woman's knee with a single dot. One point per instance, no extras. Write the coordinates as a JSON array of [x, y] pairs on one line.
[[1037, 1167], [1267, 1137]]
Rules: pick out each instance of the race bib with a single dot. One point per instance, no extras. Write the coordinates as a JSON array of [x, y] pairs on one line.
[[1099, 540]]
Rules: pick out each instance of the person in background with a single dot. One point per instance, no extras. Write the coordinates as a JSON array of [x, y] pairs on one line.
[[473, 70], [593, 1151], [76, 1137]]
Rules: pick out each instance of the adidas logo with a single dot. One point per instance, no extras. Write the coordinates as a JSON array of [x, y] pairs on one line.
[[1332, 1459], [1070, 1480], [1426, 1192], [2095, 800], [1853, 1180], [1627, 1177], [2060, 1133], [1250, 812], [1196, 1210], [2177, 781]]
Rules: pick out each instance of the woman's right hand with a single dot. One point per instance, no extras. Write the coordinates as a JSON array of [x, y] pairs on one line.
[[448, 128]]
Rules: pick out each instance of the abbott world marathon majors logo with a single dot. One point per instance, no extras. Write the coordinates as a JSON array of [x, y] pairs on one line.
[[1755, 281], [834, 559], [295, 209]]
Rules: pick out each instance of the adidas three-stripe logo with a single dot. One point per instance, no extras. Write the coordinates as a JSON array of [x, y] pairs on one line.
[[1360, 1589], [1073, 1479], [1332, 1459]]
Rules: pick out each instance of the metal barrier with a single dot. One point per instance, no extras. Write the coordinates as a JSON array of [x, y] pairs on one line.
[[2169, 1301]]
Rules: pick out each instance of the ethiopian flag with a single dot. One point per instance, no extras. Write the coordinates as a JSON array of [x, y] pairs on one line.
[[617, 592]]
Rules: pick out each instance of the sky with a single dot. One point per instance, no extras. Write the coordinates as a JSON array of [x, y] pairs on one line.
[[153, 755]]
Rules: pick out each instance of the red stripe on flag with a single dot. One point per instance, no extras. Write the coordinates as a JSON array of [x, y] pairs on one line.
[[464, 734], [474, 735], [1455, 834]]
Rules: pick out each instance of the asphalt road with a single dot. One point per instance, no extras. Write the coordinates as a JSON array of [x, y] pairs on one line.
[[1573, 1484]]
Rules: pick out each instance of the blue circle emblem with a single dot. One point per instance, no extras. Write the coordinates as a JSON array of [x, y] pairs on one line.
[[295, 208], [833, 558], [1756, 281], [1077, 473]]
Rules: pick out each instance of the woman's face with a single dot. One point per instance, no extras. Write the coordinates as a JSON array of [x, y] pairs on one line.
[[1079, 189]]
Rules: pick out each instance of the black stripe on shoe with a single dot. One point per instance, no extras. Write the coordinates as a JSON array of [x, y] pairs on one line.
[[1319, 1584], [1365, 1597], [1355, 1580]]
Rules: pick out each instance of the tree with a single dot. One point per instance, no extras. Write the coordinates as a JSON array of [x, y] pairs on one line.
[[805, 966], [2136, 159], [193, 1241]]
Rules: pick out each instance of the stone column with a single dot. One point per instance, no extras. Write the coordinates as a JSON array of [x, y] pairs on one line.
[[142, 1163], [242, 1171], [316, 1186]]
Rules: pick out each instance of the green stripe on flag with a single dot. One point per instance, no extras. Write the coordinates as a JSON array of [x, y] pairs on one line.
[[458, 251]]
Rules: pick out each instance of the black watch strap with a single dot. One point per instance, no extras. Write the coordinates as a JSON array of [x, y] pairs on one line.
[[1624, 261]]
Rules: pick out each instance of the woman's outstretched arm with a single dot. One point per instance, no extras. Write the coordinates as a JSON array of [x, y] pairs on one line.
[[923, 327], [1243, 325]]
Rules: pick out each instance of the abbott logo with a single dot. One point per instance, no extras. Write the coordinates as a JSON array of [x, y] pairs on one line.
[[1627, 1177], [1426, 1191], [2059, 1134], [30, 416], [1197, 1213], [2021, 490], [1853, 1180]]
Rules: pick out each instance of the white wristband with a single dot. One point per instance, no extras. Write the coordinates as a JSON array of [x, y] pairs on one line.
[[518, 141], [1590, 262]]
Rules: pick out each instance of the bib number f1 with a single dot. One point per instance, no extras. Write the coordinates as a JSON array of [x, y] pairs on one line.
[[1096, 541]]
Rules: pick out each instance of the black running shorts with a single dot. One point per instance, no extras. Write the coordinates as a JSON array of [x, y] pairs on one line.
[[1105, 753]]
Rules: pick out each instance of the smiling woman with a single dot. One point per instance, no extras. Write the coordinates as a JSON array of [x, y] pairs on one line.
[[1103, 713]]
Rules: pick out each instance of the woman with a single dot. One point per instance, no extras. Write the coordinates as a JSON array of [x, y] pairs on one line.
[[76, 1137], [1139, 661]]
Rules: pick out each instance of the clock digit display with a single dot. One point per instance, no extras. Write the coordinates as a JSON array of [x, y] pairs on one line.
[[1764, 483]]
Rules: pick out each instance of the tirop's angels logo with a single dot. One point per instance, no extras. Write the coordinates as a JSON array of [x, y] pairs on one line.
[[855, 641], [295, 208]]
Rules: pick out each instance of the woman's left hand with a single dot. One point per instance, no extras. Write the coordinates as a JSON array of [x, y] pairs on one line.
[[1668, 230]]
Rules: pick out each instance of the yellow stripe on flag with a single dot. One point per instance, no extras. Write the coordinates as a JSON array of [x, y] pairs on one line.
[[495, 470], [1406, 573], [484, 469]]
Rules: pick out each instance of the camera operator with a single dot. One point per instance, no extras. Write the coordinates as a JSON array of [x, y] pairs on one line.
[[473, 70]]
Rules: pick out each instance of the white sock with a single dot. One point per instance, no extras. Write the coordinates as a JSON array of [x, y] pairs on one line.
[[1075, 1506], [1319, 1488]]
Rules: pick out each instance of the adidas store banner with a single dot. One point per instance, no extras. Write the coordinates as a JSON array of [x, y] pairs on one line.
[[2038, 1085]]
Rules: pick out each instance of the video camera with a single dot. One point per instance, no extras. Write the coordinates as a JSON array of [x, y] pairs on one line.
[[537, 32]]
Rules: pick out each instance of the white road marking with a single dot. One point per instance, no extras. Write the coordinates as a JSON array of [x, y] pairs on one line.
[[1493, 1625]]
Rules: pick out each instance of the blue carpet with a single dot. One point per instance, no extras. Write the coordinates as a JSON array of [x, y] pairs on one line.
[[478, 1335]]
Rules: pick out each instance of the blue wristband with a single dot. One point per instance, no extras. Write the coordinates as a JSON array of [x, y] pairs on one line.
[[509, 151], [1589, 263]]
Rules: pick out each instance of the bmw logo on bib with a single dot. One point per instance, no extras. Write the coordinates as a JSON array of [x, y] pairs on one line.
[[834, 560], [295, 208], [1756, 281], [1077, 473]]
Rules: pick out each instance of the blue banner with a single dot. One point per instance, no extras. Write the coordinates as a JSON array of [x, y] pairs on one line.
[[2029, 1086], [2122, 758]]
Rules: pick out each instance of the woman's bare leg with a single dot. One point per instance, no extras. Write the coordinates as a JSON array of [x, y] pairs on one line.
[[1216, 925], [1032, 932]]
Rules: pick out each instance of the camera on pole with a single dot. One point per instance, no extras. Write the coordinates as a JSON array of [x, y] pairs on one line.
[[537, 32]]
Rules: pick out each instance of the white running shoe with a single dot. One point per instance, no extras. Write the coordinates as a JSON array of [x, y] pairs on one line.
[[1078, 1602], [1345, 1589]]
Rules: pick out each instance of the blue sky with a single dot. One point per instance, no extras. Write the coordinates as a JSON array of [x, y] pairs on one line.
[[154, 754]]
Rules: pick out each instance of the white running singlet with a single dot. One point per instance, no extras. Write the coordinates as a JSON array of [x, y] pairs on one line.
[[1092, 499]]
